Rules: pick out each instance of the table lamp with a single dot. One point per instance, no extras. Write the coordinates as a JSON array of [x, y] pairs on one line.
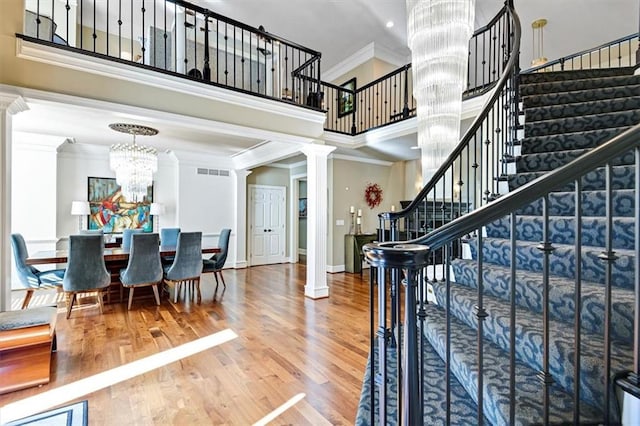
[[156, 210], [80, 209]]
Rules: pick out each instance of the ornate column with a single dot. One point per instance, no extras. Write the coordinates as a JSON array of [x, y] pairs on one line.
[[317, 211], [9, 106], [240, 223]]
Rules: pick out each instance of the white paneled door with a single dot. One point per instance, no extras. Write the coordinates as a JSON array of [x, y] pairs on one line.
[[267, 224]]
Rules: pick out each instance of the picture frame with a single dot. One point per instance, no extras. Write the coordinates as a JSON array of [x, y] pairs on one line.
[[302, 207], [346, 98], [111, 212]]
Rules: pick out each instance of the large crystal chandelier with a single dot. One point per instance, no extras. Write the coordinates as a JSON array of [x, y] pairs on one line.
[[133, 164], [438, 34]]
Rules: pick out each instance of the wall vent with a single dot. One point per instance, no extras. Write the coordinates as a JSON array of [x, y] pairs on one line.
[[212, 172]]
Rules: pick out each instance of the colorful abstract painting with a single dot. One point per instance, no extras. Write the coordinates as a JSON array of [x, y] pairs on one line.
[[112, 213]]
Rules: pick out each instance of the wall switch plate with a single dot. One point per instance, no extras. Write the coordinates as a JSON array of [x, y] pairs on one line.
[[340, 222]]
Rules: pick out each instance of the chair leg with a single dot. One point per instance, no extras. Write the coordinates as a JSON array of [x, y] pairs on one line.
[[222, 278], [70, 300], [155, 293], [27, 298], [130, 298], [100, 304], [215, 275], [176, 289], [196, 282]]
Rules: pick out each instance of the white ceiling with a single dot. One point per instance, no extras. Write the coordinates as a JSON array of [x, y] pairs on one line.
[[338, 28]]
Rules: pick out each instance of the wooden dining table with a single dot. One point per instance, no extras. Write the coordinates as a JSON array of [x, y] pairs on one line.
[[115, 259]]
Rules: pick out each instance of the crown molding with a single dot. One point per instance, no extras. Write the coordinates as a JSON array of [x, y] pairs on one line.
[[361, 160], [289, 166], [369, 51]]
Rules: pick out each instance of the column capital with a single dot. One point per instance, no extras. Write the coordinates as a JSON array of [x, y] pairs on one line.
[[317, 150], [242, 173], [13, 104]]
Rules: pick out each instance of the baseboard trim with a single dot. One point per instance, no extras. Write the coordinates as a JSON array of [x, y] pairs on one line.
[[333, 269], [241, 265]]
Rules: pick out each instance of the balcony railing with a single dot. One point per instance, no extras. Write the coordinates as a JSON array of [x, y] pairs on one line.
[[180, 39]]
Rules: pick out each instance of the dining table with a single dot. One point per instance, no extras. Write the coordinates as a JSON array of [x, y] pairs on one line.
[[115, 259]]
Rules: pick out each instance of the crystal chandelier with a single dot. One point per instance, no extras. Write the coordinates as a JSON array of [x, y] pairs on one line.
[[438, 33], [133, 164]]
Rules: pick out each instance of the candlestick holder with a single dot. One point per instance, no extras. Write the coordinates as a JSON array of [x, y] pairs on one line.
[[352, 224], [358, 225]]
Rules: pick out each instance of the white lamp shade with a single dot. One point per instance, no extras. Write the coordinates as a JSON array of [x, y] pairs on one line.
[[156, 209], [80, 208]]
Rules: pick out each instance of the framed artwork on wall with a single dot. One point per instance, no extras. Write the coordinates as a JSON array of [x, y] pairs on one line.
[[112, 213], [302, 207], [346, 98]]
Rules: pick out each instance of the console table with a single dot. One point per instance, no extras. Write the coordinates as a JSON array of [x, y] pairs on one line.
[[353, 251]]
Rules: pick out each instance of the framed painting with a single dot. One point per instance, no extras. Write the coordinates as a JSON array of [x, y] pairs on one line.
[[346, 98], [302, 207], [112, 213]]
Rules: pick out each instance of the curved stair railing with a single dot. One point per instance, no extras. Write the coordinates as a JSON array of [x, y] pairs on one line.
[[408, 261]]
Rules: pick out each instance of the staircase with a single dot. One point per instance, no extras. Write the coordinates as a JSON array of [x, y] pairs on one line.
[[565, 115]]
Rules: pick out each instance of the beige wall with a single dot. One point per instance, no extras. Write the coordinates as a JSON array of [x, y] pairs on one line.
[[350, 179], [366, 72]]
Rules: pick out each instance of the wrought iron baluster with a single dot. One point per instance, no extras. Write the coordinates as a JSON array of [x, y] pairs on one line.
[[512, 322], [577, 300], [481, 314]]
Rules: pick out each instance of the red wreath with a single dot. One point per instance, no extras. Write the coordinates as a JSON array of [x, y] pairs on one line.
[[373, 195]]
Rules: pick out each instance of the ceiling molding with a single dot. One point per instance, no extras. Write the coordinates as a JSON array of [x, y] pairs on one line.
[[139, 75], [289, 166], [361, 160], [369, 51]]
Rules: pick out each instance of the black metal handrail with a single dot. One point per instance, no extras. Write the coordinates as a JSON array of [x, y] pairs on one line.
[[182, 39], [586, 58]]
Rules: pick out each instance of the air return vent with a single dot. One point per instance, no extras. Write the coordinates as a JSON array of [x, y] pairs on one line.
[[212, 172]]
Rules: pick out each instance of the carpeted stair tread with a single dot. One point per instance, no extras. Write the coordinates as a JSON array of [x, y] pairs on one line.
[[562, 260], [547, 161], [529, 295], [568, 141], [581, 108], [593, 203], [583, 123], [529, 336], [572, 96], [622, 177], [579, 84], [463, 408], [562, 230], [539, 77], [529, 392]]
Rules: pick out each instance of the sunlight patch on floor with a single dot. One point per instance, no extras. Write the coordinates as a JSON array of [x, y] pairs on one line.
[[281, 409], [72, 391]]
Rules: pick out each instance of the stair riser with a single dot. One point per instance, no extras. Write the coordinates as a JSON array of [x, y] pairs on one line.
[[529, 346], [580, 109], [563, 230], [593, 204], [568, 141], [552, 160], [573, 85], [622, 177], [580, 96], [541, 77], [529, 290], [561, 261], [580, 124]]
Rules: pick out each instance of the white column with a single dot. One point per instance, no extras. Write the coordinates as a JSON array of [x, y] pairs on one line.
[[9, 105], [317, 207], [240, 225]]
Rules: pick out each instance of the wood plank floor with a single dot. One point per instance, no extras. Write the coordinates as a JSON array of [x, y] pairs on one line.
[[287, 345]]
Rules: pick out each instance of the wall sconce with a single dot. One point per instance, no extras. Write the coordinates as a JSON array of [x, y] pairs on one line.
[[156, 210], [538, 42], [80, 209]]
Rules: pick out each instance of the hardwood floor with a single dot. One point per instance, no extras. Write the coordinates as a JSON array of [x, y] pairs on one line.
[[287, 345]]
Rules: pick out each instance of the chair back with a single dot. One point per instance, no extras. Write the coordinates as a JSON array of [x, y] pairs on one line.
[[85, 266], [223, 244], [188, 260], [126, 237], [26, 273], [144, 260], [169, 237], [91, 232]]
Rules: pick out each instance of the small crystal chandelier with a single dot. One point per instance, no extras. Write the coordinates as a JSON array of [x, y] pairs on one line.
[[133, 164], [438, 34]]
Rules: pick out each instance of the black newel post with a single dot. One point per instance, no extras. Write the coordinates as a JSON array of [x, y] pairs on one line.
[[353, 111], [405, 109], [206, 70]]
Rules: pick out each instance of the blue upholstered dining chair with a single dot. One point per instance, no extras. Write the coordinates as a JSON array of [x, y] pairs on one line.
[[216, 262], [144, 267], [30, 277], [187, 265], [126, 237], [168, 238], [86, 271]]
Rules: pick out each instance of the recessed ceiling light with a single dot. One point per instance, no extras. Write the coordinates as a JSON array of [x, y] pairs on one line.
[[389, 24], [414, 147]]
